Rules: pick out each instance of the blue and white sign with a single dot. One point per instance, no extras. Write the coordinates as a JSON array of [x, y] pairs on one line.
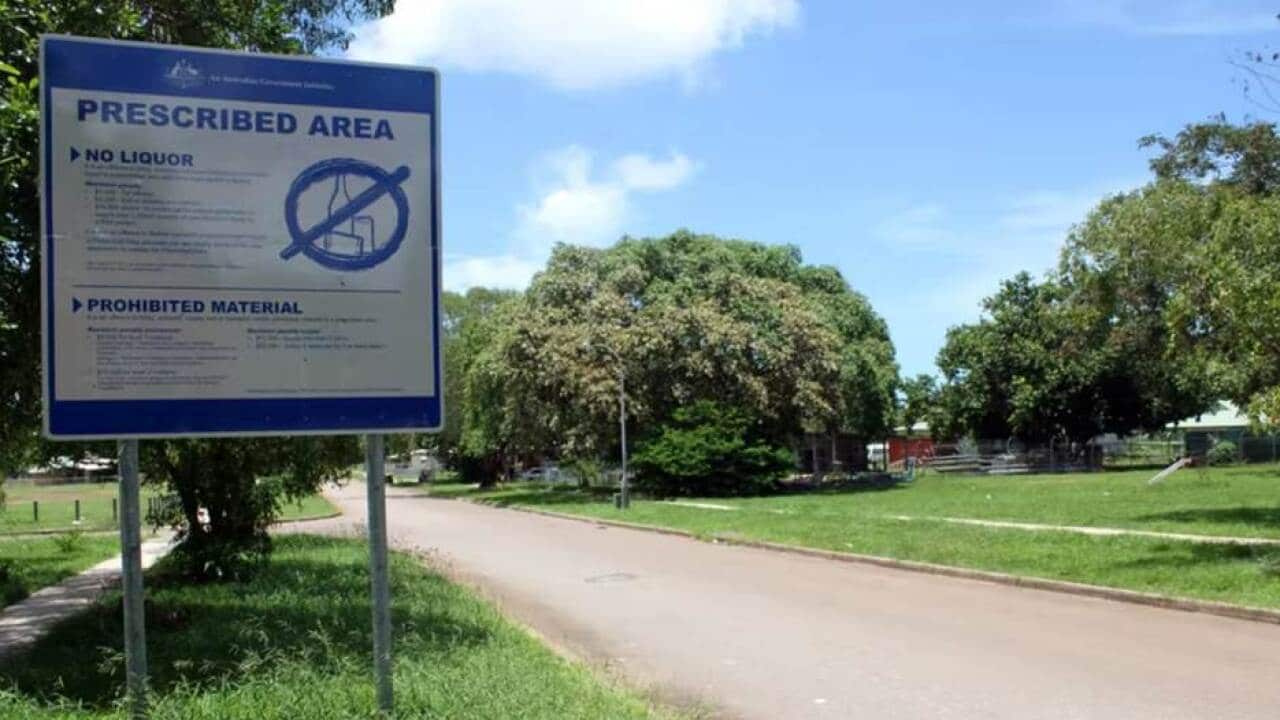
[[237, 244]]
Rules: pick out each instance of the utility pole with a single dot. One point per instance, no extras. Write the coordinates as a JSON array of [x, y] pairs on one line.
[[625, 489], [622, 499]]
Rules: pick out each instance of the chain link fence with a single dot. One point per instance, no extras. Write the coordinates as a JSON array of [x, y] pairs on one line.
[[1013, 457]]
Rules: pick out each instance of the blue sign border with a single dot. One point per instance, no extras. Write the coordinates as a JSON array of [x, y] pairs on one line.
[[94, 64]]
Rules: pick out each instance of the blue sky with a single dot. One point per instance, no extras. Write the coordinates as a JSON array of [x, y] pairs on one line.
[[924, 149]]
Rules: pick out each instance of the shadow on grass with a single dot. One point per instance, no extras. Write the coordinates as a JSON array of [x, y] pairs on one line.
[[297, 609], [1256, 516], [518, 494], [544, 496], [853, 486], [19, 578], [1185, 556], [30, 571], [553, 495]]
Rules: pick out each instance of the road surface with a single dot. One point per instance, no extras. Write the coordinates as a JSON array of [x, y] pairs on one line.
[[759, 634]]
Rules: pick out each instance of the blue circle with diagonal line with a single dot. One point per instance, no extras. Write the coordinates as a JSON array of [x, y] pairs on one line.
[[345, 223]]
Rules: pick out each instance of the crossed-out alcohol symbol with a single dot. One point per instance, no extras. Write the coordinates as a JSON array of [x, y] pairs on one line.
[[344, 218]]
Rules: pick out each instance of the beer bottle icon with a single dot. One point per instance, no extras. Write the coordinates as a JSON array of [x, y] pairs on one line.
[[354, 234], [342, 231]]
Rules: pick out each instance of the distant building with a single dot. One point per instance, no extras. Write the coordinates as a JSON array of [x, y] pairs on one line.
[[1225, 423], [915, 442], [830, 453]]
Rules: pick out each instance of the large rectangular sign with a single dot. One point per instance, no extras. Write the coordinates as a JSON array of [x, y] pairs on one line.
[[237, 243]]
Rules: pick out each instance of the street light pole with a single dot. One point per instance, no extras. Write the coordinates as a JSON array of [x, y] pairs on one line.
[[625, 489]]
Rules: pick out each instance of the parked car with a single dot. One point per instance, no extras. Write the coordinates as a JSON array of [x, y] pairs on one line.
[[418, 466], [549, 473]]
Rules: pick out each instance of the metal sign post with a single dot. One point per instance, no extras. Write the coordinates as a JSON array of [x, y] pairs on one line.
[[375, 481], [135, 631]]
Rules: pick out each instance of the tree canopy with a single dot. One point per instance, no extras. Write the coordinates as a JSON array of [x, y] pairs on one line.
[[1164, 301], [675, 320]]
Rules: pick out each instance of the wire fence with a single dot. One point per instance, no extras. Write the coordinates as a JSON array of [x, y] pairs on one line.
[[1012, 457], [1260, 448]]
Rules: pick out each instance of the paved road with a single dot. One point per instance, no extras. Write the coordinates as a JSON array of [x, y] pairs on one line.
[[761, 634]]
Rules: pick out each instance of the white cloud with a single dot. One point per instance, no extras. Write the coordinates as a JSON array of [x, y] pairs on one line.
[[578, 206], [641, 172], [569, 43], [493, 271], [574, 203], [919, 227], [982, 248], [1053, 211], [1169, 17]]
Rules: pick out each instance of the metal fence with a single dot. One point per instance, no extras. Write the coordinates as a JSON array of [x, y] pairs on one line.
[[1141, 453], [1013, 457], [1259, 448]]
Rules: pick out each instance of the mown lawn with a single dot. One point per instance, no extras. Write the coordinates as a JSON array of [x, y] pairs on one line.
[[57, 507], [294, 643], [28, 564], [308, 508], [1238, 501]]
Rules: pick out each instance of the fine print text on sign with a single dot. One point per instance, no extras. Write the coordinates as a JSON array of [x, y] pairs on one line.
[[237, 244]]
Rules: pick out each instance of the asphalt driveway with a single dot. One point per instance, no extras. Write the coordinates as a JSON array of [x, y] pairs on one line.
[[768, 635]]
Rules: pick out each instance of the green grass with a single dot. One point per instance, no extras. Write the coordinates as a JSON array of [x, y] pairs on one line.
[[455, 489], [294, 643], [308, 508], [57, 507], [28, 564], [1242, 501]]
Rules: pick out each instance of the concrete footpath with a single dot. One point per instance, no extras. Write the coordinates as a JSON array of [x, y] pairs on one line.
[[762, 634], [1094, 531], [25, 622]]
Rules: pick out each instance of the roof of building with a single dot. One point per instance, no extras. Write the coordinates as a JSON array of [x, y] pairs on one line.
[[1222, 416], [920, 427]]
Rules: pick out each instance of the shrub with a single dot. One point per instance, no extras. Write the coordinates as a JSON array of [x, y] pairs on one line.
[[1223, 452], [1269, 564], [483, 471], [11, 588], [589, 472], [240, 485], [710, 449], [70, 541]]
